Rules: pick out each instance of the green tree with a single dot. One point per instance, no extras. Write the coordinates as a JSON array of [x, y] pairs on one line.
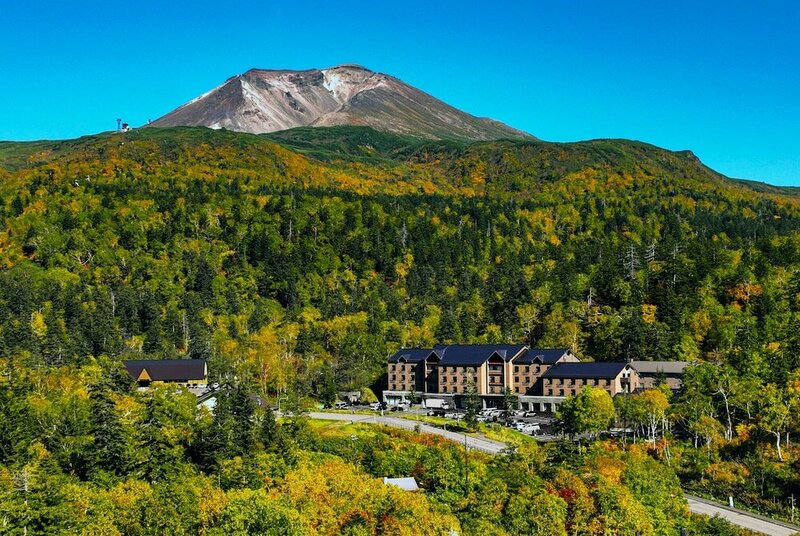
[[109, 446], [327, 388], [590, 411], [472, 404], [710, 429], [775, 413], [510, 403]]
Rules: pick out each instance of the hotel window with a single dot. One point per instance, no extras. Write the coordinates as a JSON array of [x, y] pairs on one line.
[[444, 388], [475, 379], [561, 392], [516, 368], [527, 369], [516, 379], [516, 389], [394, 376]]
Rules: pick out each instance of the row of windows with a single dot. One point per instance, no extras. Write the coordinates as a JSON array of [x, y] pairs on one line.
[[454, 379], [527, 368], [562, 392], [527, 380], [537, 368], [573, 381], [458, 369]]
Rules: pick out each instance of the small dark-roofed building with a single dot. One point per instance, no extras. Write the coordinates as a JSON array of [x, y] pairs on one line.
[[567, 379], [651, 372], [189, 372]]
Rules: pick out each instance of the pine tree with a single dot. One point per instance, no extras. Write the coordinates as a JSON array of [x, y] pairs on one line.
[[327, 389], [108, 448], [472, 404]]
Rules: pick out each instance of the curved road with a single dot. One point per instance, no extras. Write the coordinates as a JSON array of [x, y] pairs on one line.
[[734, 516], [474, 443]]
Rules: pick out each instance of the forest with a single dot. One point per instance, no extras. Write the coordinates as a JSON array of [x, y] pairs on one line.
[[293, 260], [83, 452]]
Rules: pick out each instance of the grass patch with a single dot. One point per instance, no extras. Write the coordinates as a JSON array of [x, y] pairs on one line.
[[504, 434]]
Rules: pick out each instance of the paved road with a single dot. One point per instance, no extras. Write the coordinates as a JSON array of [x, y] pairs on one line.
[[740, 518], [485, 445], [696, 505]]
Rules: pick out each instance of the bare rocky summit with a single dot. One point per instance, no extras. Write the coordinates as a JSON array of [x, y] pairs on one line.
[[261, 101]]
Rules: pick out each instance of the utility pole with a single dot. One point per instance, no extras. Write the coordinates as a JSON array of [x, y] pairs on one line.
[[792, 507], [466, 466]]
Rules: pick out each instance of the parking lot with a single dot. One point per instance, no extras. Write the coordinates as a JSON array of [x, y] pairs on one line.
[[540, 426], [527, 422]]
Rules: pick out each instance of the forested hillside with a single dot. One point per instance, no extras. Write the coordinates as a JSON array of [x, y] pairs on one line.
[[297, 262], [336, 247], [84, 453]]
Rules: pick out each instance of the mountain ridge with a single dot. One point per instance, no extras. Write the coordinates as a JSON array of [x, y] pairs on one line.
[[520, 164], [261, 101]]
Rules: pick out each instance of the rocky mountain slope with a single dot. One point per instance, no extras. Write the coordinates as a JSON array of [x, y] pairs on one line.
[[261, 101]]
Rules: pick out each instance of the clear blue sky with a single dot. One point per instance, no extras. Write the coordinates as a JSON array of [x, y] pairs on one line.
[[721, 78]]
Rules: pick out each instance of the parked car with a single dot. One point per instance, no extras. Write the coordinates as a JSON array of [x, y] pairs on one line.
[[340, 405], [398, 407], [375, 406]]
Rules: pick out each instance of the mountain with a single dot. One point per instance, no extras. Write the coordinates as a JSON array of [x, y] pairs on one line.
[[261, 101]]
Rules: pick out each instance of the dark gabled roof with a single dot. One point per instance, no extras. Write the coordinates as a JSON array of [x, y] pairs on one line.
[[166, 370], [585, 370], [545, 356], [475, 354], [410, 355]]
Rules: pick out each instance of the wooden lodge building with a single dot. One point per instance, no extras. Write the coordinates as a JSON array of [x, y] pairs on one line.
[[187, 372], [653, 372], [567, 379], [540, 378]]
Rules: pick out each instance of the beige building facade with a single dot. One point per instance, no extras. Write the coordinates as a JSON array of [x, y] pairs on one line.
[[541, 378]]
